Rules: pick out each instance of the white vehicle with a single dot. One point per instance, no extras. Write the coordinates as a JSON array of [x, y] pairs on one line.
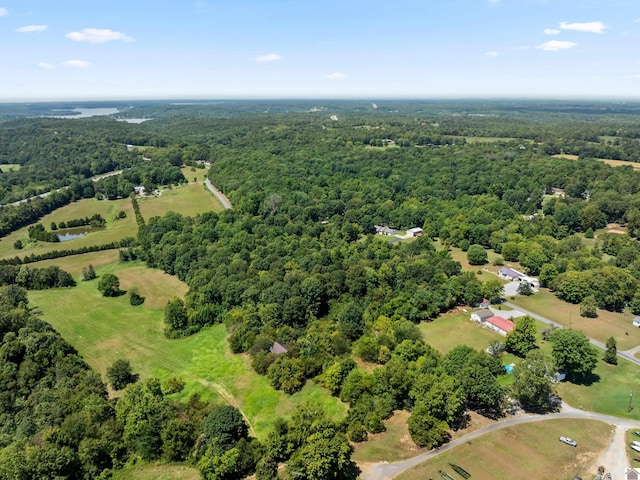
[[635, 447], [635, 442], [570, 441]]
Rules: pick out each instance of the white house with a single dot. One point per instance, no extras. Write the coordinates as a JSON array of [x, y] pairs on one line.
[[481, 316]]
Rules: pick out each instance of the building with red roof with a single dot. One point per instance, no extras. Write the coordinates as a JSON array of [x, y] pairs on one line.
[[500, 325]]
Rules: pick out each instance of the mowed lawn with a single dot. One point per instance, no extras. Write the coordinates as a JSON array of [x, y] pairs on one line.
[[607, 324], [105, 329], [452, 329], [187, 200], [524, 451], [117, 229]]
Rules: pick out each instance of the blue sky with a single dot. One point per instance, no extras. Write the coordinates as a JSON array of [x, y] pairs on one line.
[[115, 49]]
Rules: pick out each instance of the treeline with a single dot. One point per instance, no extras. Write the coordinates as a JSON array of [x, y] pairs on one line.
[[96, 220], [35, 278], [124, 243]]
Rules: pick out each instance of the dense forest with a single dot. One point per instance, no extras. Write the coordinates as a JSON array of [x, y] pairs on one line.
[[296, 264]]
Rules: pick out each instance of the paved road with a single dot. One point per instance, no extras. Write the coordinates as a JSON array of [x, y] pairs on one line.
[[627, 355], [386, 471], [221, 198]]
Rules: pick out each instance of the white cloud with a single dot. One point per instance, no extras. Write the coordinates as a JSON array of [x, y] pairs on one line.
[[97, 35], [336, 76], [31, 28], [591, 27], [45, 66], [491, 54], [551, 31], [555, 45], [76, 64], [269, 57], [3, 12]]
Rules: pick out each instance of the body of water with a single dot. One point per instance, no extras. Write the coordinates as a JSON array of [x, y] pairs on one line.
[[87, 112], [67, 234]]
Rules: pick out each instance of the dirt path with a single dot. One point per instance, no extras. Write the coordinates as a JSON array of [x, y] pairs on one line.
[[614, 459]]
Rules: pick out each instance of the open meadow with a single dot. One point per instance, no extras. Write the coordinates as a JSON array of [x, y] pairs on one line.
[[524, 451], [188, 199], [105, 329], [157, 472]]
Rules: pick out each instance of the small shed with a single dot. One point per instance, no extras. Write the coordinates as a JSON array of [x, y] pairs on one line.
[[278, 348], [414, 232], [636, 321]]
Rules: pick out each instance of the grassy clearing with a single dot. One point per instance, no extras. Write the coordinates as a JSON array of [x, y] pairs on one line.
[[452, 329], [191, 173], [393, 445], [524, 451], [10, 167], [608, 324], [186, 200], [75, 263], [609, 394], [621, 163], [565, 155], [471, 139], [105, 329], [117, 229], [157, 472]]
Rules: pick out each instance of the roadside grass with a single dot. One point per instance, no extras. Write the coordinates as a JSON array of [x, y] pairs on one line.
[[187, 200], [610, 391], [608, 324], [157, 472], [116, 229], [524, 451], [105, 329]]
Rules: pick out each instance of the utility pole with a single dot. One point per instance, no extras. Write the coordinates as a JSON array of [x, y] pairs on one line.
[[629, 408]]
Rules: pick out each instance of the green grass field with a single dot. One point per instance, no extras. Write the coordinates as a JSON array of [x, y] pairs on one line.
[[608, 324], [187, 200], [105, 329], [393, 445], [117, 229], [524, 451], [447, 331], [191, 173], [157, 472]]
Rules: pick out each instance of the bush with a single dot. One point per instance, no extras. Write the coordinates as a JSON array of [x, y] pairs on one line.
[[357, 433], [88, 273], [135, 298], [173, 385], [476, 255]]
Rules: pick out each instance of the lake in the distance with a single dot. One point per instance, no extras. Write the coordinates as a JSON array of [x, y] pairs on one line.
[[87, 112]]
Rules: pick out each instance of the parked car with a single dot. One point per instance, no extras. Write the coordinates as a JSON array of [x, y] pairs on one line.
[[637, 432], [569, 441]]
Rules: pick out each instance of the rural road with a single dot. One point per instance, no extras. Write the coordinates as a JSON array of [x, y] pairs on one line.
[[386, 471], [627, 355], [221, 198]]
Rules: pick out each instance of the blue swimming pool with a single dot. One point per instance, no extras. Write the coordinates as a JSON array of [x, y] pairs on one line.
[[509, 368]]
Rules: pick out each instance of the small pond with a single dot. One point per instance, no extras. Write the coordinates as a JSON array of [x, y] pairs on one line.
[[66, 234]]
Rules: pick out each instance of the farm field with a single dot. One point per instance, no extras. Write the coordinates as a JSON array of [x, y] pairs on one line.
[[189, 200], [105, 329], [607, 324], [524, 451], [117, 229]]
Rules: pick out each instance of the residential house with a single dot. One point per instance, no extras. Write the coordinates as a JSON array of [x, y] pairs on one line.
[[481, 316], [278, 348], [483, 304], [632, 474], [500, 325], [509, 274], [382, 230]]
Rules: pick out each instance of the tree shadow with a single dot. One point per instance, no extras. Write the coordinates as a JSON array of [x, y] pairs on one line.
[[586, 380]]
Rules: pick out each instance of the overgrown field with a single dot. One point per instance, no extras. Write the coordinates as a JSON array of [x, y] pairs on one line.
[[105, 329], [524, 451]]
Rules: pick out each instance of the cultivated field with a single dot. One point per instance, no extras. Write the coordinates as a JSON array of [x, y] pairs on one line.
[[105, 329], [524, 451]]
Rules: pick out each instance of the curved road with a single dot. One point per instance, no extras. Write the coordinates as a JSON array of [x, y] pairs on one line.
[[221, 198], [386, 471], [627, 355]]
